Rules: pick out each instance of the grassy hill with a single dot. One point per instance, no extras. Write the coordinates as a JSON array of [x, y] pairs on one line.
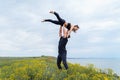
[[44, 68]]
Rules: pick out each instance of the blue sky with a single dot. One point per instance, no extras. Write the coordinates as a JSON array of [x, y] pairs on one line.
[[22, 33]]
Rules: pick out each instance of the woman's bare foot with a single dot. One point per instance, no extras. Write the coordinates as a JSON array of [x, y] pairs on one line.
[[52, 12], [43, 20]]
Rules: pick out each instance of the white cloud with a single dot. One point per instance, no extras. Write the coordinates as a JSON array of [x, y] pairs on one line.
[[91, 51], [100, 25], [25, 34], [27, 37], [95, 39], [4, 21], [14, 39], [116, 40], [89, 7], [6, 44], [25, 43]]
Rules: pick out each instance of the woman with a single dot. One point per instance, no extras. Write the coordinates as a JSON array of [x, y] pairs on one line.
[[63, 38], [63, 23]]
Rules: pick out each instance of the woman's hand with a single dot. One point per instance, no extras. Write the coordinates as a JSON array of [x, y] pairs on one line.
[[60, 34]]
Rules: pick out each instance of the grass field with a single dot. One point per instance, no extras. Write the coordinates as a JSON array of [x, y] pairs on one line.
[[44, 68]]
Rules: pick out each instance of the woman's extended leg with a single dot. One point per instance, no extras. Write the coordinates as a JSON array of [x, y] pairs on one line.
[[58, 17], [52, 21]]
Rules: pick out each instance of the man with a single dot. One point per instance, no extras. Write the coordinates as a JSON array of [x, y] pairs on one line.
[[64, 33]]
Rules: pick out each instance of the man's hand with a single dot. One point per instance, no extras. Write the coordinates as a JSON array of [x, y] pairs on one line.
[[68, 36], [60, 34], [60, 31]]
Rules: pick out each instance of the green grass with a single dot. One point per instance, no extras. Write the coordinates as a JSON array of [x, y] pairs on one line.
[[44, 68], [6, 61]]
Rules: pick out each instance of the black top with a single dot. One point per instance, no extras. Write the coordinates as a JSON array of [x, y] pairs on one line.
[[62, 21], [68, 26]]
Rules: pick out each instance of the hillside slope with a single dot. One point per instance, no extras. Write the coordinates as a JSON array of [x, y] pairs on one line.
[[44, 68]]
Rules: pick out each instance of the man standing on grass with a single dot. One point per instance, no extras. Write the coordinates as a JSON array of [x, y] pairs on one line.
[[64, 33], [62, 48]]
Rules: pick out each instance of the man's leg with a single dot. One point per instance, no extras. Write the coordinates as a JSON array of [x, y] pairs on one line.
[[64, 52], [65, 60], [59, 59], [59, 45]]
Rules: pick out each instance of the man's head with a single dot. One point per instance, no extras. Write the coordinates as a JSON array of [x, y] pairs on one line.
[[76, 27]]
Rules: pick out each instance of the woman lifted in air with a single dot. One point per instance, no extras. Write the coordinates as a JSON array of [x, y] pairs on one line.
[[66, 29]]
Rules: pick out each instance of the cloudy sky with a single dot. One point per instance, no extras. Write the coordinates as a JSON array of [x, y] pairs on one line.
[[22, 33]]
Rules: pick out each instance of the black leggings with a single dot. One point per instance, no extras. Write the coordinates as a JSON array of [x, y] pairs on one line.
[[59, 22], [62, 53]]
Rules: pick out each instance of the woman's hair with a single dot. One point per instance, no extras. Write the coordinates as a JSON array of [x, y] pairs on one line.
[[74, 29], [76, 26]]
